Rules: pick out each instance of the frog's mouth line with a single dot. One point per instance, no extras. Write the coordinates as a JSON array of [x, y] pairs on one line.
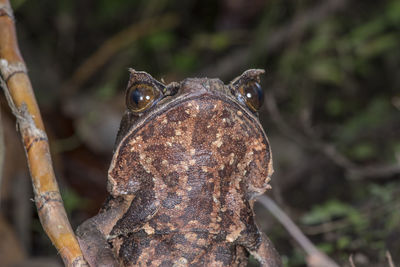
[[232, 102]]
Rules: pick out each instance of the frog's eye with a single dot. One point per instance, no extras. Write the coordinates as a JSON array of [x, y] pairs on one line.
[[252, 95], [141, 96]]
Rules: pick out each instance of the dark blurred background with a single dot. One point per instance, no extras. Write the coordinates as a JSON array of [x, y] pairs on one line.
[[332, 109]]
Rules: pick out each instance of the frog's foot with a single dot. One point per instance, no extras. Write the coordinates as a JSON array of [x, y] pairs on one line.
[[94, 245]]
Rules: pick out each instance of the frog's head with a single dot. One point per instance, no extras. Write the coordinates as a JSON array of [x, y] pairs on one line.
[[197, 129]]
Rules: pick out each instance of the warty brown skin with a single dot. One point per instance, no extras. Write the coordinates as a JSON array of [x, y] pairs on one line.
[[182, 181]]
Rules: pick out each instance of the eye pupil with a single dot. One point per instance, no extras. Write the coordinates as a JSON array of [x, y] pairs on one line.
[[260, 94], [253, 95], [141, 97], [136, 96]]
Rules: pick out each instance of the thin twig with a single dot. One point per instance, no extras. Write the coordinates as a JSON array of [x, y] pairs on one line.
[[327, 227], [314, 256], [389, 259], [114, 44], [353, 170], [351, 261], [20, 97], [380, 171]]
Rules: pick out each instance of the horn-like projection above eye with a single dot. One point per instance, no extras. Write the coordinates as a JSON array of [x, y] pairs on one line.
[[143, 91], [247, 89]]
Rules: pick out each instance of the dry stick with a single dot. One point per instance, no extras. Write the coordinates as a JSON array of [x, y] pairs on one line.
[[315, 257], [117, 42], [21, 99]]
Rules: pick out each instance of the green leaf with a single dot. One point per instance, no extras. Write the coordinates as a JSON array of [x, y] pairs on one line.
[[379, 45], [323, 38], [17, 3], [367, 30], [185, 61], [383, 192], [378, 112], [326, 247], [326, 70], [219, 41], [161, 40], [335, 107], [72, 201], [393, 11], [107, 90], [107, 10], [331, 210], [393, 222], [343, 242], [363, 151]]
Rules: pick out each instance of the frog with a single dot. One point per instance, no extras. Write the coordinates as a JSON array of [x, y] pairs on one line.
[[190, 159]]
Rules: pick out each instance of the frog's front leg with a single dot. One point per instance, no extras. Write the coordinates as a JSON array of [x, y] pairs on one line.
[[120, 216], [92, 234], [93, 243]]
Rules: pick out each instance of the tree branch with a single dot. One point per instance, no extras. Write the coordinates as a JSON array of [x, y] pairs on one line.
[[20, 97], [315, 257]]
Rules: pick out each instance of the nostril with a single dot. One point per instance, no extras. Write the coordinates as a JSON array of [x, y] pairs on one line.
[[171, 89]]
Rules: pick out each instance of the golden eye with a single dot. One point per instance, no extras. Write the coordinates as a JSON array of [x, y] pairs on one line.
[[253, 95], [141, 97]]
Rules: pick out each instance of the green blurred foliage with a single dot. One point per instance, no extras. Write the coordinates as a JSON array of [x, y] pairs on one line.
[[72, 201], [331, 210]]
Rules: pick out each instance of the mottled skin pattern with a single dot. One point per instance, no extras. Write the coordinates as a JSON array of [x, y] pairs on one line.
[[182, 182]]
